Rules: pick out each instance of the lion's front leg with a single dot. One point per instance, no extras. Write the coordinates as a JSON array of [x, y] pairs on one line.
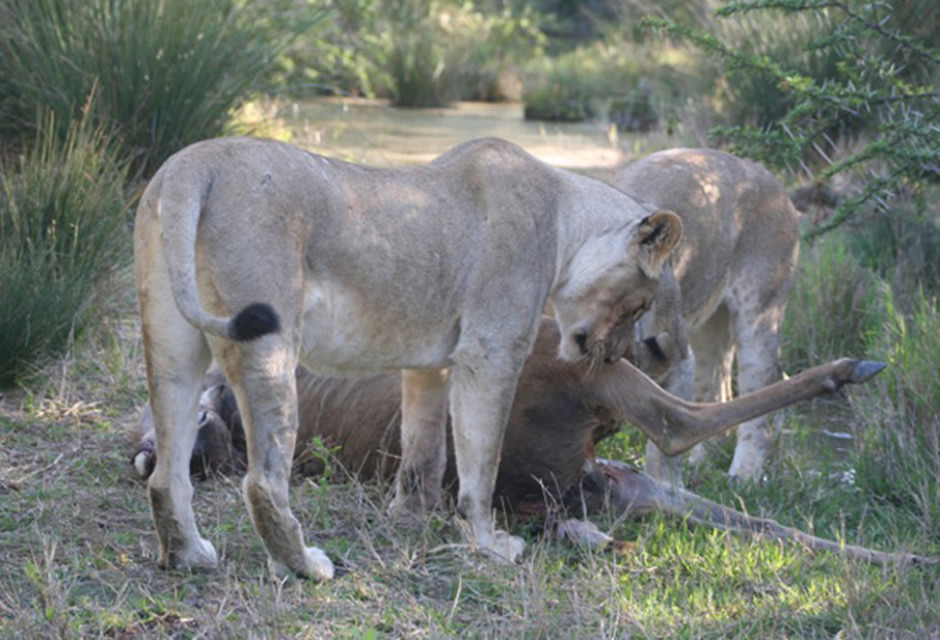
[[680, 382], [423, 441], [480, 399], [758, 367]]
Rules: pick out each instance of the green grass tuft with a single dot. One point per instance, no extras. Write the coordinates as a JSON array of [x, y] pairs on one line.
[[834, 305], [898, 459], [62, 232], [160, 73]]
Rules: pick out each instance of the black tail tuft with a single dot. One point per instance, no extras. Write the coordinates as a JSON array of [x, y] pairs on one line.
[[254, 321]]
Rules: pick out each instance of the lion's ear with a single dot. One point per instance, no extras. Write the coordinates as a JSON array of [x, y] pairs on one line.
[[655, 237]]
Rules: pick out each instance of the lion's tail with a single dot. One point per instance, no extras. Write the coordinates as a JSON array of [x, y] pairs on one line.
[[179, 206]]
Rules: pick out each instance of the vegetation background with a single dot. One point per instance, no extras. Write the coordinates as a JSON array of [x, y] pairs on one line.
[[840, 97]]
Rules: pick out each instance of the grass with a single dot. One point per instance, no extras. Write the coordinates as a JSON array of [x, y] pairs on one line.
[[62, 231], [901, 424], [891, 316], [833, 305], [164, 73], [78, 553]]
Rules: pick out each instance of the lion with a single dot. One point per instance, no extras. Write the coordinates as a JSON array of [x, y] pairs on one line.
[[559, 413], [260, 255], [734, 265]]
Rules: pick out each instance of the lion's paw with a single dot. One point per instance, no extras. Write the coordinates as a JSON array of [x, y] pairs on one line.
[[200, 556], [745, 470], [317, 566]]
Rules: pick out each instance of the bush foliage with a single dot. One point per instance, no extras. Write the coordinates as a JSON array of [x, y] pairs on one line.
[[898, 458], [95, 94], [164, 73], [845, 305], [414, 52], [862, 73], [62, 233]]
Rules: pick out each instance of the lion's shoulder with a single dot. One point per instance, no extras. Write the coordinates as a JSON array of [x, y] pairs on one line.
[[493, 159]]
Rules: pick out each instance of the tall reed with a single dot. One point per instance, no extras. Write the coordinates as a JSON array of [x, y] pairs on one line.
[[165, 72], [62, 232], [898, 453], [833, 306]]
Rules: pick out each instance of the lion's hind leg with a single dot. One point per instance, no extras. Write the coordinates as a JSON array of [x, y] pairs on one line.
[[177, 357], [424, 441], [714, 347], [262, 376]]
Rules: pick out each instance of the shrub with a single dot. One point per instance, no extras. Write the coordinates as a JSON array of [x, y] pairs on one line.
[[61, 234], [879, 79], [838, 307], [742, 95], [501, 44], [565, 89], [635, 87], [423, 63], [344, 55], [165, 73], [902, 247], [436, 51], [898, 453], [582, 83], [635, 111], [833, 307]]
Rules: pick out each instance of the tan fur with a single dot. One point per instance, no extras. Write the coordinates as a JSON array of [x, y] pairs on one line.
[[445, 266], [734, 266], [558, 414]]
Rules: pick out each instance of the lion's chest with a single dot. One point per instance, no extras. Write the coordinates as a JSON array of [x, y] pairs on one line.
[[348, 331]]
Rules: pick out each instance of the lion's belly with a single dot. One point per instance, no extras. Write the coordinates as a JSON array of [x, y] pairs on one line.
[[348, 333]]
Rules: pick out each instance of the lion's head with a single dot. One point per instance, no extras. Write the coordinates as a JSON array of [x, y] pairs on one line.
[[611, 282]]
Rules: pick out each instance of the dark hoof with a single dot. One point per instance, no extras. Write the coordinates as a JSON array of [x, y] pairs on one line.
[[865, 369], [145, 460]]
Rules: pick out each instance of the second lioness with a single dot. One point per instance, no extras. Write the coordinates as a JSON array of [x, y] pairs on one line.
[[734, 265], [259, 255]]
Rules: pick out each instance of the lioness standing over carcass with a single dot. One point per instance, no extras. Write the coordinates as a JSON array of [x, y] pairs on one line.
[[261, 255], [558, 415], [735, 265]]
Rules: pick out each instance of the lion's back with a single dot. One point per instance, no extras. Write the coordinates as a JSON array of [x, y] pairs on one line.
[[736, 215]]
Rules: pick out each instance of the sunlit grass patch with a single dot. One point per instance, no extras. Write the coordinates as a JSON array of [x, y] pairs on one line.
[[694, 582]]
